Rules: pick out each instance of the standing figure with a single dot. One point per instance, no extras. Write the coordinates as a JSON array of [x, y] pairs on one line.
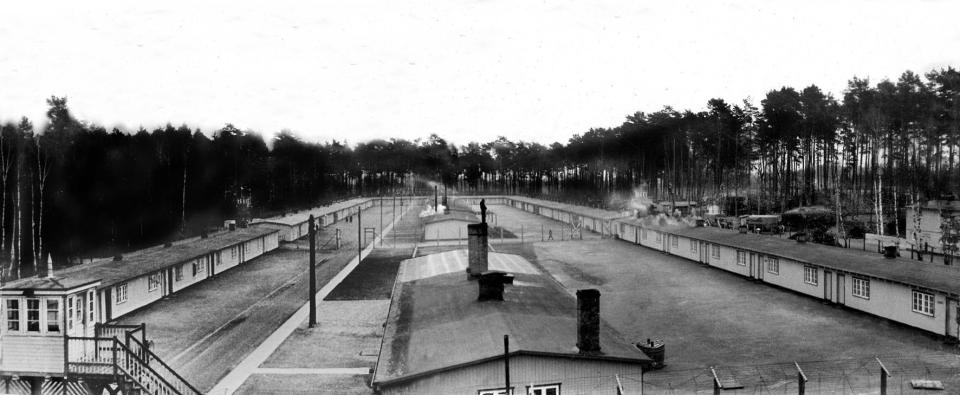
[[483, 211]]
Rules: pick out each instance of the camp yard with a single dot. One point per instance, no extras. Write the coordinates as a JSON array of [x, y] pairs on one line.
[[205, 329], [710, 317]]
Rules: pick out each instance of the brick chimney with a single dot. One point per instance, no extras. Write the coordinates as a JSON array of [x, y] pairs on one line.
[[42, 270], [588, 320], [476, 249], [491, 285]]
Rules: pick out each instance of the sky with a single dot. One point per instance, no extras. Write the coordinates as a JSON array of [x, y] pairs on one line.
[[466, 70]]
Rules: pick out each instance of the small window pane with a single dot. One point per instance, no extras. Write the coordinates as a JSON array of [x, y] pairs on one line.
[[91, 300], [53, 315], [33, 315], [13, 315]]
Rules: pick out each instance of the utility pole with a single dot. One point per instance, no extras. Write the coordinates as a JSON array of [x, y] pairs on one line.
[[313, 273], [394, 211], [506, 364], [359, 235], [381, 219]]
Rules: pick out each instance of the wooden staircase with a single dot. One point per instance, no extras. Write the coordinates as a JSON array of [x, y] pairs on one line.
[[122, 363]]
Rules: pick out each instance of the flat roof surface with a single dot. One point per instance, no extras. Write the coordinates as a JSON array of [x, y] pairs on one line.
[[435, 322], [584, 211], [137, 263], [297, 218], [868, 263], [453, 215], [456, 262]]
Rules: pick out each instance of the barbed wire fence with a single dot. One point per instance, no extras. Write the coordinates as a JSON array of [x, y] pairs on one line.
[[890, 374]]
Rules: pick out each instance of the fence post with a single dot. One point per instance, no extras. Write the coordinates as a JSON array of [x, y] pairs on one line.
[[716, 382], [116, 376], [801, 380], [312, 270], [66, 358], [884, 373]]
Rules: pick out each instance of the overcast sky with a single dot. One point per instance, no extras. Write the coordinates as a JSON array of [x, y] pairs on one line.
[[466, 70]]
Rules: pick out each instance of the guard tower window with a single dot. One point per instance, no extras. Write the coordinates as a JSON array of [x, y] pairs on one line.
[[70, 313], [91, 303], [33, 315], [13, 315], [53, 315]]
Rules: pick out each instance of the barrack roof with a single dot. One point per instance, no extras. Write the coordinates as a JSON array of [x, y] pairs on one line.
[[866, 263], [580, 210], [436, 324], [137, 263], [298, 218]]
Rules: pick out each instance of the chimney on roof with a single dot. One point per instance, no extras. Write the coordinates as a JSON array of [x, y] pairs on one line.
[[890, 252], [491, 285], [476, 249], [588, 320], [44, 271]]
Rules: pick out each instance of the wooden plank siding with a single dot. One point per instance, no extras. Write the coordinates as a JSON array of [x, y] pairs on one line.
[[575, 376], [32, 354], [888, 299]]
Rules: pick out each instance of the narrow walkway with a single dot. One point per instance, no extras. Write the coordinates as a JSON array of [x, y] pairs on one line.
[[338, 371], [242, 371]]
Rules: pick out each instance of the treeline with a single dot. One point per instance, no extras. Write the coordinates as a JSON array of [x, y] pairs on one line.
[[73, 189], [868, 154]]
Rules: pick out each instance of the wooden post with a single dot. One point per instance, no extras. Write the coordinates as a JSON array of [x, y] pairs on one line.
[[381, 219], [506, 364], [313, 273], [66, 359], [116, 376], [394, 211], [359, 236], [884, 373], [716, 382], [801, 380]]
